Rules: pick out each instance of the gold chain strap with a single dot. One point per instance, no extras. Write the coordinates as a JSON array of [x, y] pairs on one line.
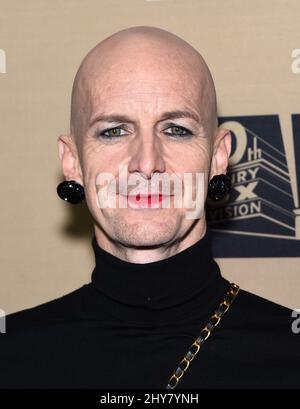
[[204, 334]]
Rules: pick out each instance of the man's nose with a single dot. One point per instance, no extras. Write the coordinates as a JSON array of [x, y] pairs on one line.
[[147, 157]]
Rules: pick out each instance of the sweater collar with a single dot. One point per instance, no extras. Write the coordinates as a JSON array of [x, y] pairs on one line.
[[178, 287]]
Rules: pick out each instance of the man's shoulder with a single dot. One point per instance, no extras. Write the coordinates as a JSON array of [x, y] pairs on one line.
[[260, 316], [252, 304], [61, 309], [261, 334]]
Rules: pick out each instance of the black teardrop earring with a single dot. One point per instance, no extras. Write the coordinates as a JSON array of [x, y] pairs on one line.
[[71, 191], [219, 186]]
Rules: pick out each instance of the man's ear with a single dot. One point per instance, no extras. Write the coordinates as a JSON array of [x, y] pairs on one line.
[[68, 155], [221, 152]]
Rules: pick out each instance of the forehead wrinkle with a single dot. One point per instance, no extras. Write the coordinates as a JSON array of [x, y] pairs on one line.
[[93, 72]]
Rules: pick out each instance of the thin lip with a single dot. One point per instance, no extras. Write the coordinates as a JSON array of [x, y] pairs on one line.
[[148, 195]]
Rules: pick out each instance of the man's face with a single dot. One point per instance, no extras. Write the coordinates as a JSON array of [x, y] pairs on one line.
[[146, 145]]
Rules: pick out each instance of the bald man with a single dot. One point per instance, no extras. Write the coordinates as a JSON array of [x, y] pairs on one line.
[[142, 74], [157, 312]]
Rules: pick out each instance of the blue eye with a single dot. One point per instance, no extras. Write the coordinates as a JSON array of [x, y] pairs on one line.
[[178, 131], [113, 133]]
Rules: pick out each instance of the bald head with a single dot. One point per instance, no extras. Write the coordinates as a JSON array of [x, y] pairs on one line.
[[147, 55], [144, 106]]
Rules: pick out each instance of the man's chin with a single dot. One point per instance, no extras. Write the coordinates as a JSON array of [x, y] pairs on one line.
[[143, 242], [148, 215], [145, 234]]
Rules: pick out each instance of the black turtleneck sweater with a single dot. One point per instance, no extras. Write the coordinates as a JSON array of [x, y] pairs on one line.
[[133, 323]]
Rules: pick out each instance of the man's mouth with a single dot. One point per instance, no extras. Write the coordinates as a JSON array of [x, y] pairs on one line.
[[146, 200]]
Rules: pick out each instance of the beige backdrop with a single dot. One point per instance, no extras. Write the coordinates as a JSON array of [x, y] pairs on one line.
[[45, 243]]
